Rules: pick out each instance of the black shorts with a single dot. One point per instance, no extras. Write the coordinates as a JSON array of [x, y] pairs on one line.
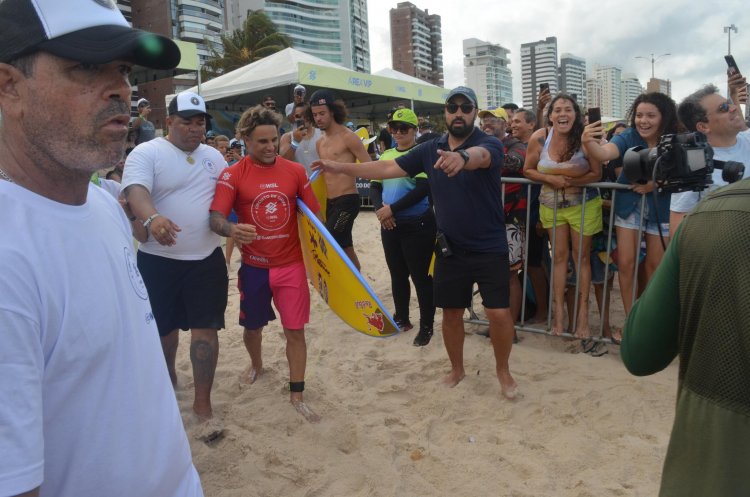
[[340, 214], [186, 294], [455, 277]]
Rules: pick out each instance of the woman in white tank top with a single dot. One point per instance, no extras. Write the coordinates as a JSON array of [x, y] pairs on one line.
[[554, 158]]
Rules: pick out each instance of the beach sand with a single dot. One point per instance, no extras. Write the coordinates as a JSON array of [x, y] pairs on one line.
[[583, 427]]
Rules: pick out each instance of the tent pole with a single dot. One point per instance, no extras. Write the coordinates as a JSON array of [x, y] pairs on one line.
[[199, 73]]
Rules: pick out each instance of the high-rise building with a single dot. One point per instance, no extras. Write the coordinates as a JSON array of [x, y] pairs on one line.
[[610, 78], [333, 30], [126, 9], [573, 77], [659, 85], [199, 22], [631, 88], [538, 65], [593, 93], [486, 71], [417, 43]]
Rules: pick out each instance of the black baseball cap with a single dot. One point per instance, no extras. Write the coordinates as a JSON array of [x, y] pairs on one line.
[[322, 97], [90, 31]]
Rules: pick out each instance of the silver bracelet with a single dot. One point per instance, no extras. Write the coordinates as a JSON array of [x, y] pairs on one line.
[[147, 222]]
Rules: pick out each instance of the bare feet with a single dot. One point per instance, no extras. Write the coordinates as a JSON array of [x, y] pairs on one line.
[[583, 330], [508, 385], [453, 378], [616, 335], [209, 430], [557, 330], [250, 375], [537, 319], [304, 409]]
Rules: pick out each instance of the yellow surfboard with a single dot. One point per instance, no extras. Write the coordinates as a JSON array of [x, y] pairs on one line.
[[318, 185], [337, 280]]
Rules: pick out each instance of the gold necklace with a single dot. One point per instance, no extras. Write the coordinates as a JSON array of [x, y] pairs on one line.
[[189, 158]]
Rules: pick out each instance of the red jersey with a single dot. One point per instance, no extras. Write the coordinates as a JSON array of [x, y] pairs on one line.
[[266, 197]]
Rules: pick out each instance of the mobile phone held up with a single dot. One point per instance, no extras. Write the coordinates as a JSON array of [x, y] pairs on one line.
[[543, 86], [732, 68], [595, 114]]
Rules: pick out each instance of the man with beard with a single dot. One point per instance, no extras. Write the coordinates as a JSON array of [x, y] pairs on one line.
[[263, 189], [463, 170], [87, 408], [169, 184], [340, 144]]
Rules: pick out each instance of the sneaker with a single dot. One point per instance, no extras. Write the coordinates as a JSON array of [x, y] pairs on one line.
[[403, 325], [423, 337]]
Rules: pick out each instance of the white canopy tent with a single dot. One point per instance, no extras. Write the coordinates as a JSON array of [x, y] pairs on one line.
[[367, 96]]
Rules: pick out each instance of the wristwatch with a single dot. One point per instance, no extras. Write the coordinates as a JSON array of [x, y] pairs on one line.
[[464, 155]]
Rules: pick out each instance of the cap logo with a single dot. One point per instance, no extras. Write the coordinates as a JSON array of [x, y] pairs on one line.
[[107, 4], [194, 100]]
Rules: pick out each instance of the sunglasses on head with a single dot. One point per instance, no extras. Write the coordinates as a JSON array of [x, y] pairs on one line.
[[465, 107], [400, 128]]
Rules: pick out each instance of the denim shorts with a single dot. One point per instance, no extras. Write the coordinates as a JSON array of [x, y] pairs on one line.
[[632, 223]]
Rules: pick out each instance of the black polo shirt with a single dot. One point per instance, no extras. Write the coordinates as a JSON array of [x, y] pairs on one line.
[[468, 206]]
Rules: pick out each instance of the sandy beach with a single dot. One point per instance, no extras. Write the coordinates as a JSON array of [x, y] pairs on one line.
[[583, 427]]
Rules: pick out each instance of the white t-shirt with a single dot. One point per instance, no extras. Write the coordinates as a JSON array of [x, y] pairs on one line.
[[110, 186], [307, 151], [87, 406], [739, 152], [180, 191]]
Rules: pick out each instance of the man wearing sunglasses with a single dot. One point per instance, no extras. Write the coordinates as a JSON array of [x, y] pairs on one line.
[[463, 171], [706, 111]]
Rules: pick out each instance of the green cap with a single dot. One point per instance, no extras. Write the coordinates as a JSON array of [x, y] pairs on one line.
[[405, 116]]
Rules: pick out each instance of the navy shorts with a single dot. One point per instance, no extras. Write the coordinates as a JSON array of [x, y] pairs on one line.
[[186, 294], [340, 215], [456, 275]]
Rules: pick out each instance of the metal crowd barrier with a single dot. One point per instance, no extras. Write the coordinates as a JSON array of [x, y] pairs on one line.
[[522, 326]]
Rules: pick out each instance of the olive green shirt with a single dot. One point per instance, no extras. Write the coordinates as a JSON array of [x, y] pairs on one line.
[[697, 307]]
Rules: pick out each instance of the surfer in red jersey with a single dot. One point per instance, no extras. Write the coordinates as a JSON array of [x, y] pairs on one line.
[[263, 188]]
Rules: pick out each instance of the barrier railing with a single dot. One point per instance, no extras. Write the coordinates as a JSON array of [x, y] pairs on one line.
[[521, 325]]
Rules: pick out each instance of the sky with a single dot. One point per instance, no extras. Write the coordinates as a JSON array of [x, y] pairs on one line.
[[603, 32]]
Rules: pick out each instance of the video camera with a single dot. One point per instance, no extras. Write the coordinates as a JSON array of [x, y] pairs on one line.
[[678, 163]]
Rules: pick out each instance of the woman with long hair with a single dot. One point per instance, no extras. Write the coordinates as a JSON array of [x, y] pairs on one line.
[[652, 115], [554, 158], [408, 230]]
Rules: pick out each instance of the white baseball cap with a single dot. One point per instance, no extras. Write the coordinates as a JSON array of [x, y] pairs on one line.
[[91, 31], [186, 105]]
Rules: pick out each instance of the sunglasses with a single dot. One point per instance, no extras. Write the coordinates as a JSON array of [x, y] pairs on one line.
[[723, 108], [400, 129], [466, 108]]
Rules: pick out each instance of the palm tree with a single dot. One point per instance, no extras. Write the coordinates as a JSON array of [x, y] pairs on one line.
[[258, 38]]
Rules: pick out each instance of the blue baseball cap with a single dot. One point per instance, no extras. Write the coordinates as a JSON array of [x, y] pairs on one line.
[[464, 91]]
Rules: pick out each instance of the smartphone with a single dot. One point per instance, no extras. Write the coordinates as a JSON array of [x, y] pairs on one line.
[[595, 114], [732, 68], [543, 86], [299, 123]]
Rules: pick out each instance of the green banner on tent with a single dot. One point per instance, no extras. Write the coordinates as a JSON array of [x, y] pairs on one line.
[[343, 79]]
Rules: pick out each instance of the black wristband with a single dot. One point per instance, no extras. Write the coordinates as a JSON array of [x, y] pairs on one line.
[[297, 386]]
